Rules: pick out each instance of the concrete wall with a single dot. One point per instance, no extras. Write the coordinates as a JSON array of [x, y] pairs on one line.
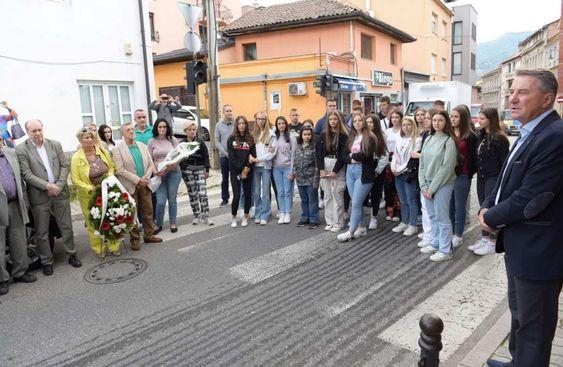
[[48, 47]]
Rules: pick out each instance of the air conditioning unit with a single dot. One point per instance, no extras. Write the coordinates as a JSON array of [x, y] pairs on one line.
[[297, 89]]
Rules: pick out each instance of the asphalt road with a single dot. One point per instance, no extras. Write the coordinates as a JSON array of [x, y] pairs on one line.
[[274, 295]]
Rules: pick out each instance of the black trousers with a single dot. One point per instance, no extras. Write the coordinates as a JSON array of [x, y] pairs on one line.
[[375, 194], [534, 308], [246, 188]]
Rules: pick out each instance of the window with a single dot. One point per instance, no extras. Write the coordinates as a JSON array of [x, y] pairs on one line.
[[433, 64], [473, 32], [367, 47], [186, 99], [457, 33], [456, 63], [151, 23], [249, 51], [392, 54], [444, 29], [473, 61], [443, 66], [434, 23], [106, 103]]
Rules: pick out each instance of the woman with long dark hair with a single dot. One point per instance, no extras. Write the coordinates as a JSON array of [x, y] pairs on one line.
[[360, 174], [283, 160], [466, 142], [382, 156], [436, 176], [331, 161], [242, 153], [106, 135], [159, 146], [491, 154]]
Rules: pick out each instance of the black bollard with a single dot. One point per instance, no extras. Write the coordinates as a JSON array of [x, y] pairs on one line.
[[430, 340]]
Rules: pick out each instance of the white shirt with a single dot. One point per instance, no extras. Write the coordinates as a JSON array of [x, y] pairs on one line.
[[45, 159], [403, 149], [392, 137]]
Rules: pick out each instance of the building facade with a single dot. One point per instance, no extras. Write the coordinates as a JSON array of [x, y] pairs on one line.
[[68, 66], [490, 88], [464, 44], [508, 71]]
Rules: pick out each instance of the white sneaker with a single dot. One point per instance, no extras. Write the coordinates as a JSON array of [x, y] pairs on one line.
[[343, 237], [440, 256], [195, 221], [428, 249], [401, 227], [456, 241], [257, 220], [396, 219], [477, 244], [244, 222], [281, 218], [361, 231], [263, 222], [336, 229], [487, 248], [208, 221], [421, 235], [373, 223], [410, 231], [287, 218], [234, 223], [388, 218], [422, 244], [328, 227]]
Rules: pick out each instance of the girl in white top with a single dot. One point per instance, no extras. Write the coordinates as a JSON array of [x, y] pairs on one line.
[[392, 206], [282, 168]]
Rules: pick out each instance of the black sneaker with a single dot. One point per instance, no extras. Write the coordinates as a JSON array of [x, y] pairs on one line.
[[4, 288], [223, 204], [313, 225], [25, 278], [302, 223]]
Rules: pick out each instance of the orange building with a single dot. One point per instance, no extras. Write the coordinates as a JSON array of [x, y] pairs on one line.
[[270, 57]]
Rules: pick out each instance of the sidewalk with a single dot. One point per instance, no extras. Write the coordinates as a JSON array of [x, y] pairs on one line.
[[495, 343], [213, 182]]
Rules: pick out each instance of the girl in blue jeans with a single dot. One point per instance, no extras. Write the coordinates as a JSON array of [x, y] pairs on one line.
[[360, 174], [306, 174], [282, 163]]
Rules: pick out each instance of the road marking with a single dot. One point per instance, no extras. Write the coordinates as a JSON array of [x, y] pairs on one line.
[[197, 245], [274, 263], [462, 304]]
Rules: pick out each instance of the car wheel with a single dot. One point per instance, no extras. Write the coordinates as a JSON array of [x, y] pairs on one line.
[[205, 134]]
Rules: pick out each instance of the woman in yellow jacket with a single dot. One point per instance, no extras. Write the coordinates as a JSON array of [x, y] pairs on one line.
[[89, 166]]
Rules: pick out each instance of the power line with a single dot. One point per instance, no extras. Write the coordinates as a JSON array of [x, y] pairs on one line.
[[68, 63]]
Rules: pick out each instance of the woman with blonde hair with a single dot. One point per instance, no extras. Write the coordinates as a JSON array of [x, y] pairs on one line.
[[331, 161], [90, 165], [265, 141], [360, 174], [404, 167]]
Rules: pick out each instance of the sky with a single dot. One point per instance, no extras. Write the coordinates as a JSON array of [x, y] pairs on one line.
[[495, 17]]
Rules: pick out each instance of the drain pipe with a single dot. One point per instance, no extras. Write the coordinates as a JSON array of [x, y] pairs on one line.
[[145, 61]]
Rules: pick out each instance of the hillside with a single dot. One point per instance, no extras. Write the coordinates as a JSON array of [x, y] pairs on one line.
[[490, 54]]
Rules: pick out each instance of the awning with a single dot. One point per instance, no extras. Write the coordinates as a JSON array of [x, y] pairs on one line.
[[349, 85]]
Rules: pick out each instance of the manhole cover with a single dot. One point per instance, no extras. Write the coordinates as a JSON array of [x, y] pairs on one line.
[[115, 271]]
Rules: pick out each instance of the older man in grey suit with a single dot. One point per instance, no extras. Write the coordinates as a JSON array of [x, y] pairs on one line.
[[45, 169], [13, 217]]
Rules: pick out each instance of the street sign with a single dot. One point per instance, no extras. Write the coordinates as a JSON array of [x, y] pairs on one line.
[[192, 42], [381, 78], [191, 13]]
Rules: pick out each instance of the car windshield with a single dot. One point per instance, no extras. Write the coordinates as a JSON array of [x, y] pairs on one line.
[[184, 114], [475, 111], [413, 106]]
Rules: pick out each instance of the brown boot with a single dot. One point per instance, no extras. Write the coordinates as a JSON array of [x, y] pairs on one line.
[[135, 246], [153, 239]]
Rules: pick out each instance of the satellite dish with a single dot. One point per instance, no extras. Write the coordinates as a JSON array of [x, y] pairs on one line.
[[191, 13], [192, 42]]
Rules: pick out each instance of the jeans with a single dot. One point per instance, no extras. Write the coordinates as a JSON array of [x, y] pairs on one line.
[[168, 191], [285, 188], [261, 183], [408, 198], [438, 212], [309, 204], [224, 161], [358, 192], [458, 203]]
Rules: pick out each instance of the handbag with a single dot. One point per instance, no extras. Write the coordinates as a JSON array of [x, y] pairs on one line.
[[329, 163], [16, 130]]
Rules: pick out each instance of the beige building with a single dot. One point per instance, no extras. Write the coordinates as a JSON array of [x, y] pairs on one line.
[[430, 22], [490, 88], [508, 72]]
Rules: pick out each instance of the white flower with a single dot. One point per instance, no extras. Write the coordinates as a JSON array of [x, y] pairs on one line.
[[123, 225], [95, 212], [116, 229]]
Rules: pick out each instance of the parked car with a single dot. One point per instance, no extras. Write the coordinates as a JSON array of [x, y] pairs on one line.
[[475, 109], [185, 114], [511, 127]]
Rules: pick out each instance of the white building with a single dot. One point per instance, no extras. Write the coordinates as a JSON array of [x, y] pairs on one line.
[[490, 88], [67, 62]]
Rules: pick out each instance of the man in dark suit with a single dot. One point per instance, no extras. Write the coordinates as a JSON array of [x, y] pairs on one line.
[[45, 169], [526, 210]]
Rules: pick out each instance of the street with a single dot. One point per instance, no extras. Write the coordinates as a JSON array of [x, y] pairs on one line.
[[256, 296]]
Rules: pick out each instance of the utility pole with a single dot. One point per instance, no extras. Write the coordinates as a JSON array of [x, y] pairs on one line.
[[213, 78]]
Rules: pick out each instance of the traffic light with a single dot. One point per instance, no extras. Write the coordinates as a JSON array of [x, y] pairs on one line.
[[323, 83], [196, 74]]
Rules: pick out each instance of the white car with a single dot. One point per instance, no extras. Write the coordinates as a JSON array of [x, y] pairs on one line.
[[185, 114]]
